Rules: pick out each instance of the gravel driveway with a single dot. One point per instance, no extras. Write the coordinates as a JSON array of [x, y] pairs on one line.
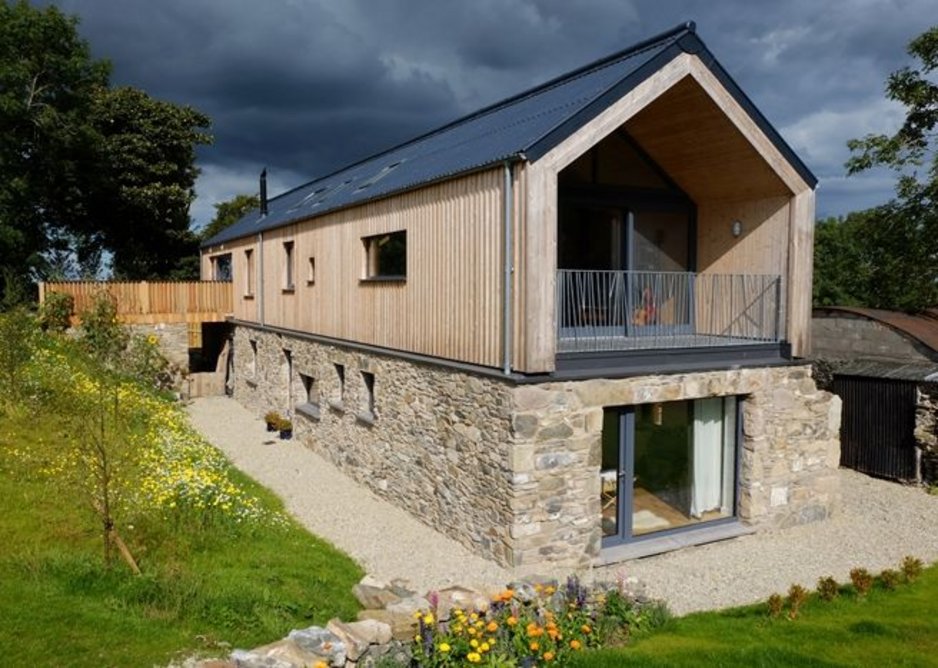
[[880, 522]]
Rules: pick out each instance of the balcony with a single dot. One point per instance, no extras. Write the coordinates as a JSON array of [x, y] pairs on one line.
[[639, 311]]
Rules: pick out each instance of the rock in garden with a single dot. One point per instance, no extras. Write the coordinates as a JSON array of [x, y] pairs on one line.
[[281, 654], [402, 625], [460, 597], [355, 644], [320, 642], [374, 597], [524, 591]]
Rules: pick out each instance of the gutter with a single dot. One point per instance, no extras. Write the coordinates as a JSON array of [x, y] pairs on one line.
[[508, 271]]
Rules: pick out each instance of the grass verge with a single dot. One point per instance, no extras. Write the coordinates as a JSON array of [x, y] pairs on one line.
[[885, 628], [202, 586]]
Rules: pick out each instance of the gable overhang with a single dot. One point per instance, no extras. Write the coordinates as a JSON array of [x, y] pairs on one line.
[[686, 63]]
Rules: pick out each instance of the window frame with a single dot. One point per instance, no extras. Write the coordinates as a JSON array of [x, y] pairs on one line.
[[371, 260], [289, 268], [249, 273]]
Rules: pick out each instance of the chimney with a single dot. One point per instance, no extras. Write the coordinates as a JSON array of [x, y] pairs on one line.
[[264, 192]]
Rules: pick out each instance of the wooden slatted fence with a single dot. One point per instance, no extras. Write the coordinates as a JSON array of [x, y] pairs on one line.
[[151, 302]]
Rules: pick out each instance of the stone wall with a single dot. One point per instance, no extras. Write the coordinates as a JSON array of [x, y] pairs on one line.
[[512, 471], [438, 443], [853, 337], [173, 340], [926, 430], [790, 453]]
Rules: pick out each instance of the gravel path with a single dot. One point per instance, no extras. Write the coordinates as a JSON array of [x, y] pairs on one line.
[[880, 523], [386, 541]]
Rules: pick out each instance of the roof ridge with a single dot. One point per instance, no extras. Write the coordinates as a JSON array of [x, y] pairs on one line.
[[605, 61]]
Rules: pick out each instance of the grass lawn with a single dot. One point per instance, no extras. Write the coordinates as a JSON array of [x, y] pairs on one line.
[[59, 606], [898, 628]]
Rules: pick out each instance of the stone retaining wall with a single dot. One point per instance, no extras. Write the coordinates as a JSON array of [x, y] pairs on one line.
[[512, 471]]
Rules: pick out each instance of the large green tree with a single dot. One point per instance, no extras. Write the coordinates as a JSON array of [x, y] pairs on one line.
[[48, 82], [144, 181], [887, 257], [83, 166]]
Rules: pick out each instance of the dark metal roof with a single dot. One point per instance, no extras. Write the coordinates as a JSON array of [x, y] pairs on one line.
[[523, 127], [888, 370], [923, 328]]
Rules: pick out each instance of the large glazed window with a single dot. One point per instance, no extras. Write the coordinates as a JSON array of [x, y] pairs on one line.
[[386, 256], [668, 465]]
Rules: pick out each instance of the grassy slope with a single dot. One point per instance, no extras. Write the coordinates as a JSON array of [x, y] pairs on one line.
[[60, 607], [897, 628]]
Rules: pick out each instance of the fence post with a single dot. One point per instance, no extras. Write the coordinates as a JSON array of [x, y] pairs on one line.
[[42, 292]]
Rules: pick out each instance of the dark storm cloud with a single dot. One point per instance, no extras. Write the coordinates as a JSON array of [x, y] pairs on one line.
[[304, 87]]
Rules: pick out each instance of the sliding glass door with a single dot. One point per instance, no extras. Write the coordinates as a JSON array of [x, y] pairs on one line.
[[667, 465]]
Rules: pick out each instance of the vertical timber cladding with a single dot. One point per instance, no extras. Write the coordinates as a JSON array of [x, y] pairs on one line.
[[877, 436], [449, 306]]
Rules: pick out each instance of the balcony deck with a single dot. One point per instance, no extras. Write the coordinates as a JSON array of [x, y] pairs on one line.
[[653, 318]]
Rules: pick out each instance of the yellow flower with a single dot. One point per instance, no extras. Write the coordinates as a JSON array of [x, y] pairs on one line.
[[428, 618], [473, 657], [321, 664], [474, 643], [484, 647], [471, 631], [444, 647], [534, 646], [586, 629]]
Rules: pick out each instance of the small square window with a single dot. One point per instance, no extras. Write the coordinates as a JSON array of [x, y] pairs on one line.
[[311, 271], [386, 256], [221, 267]]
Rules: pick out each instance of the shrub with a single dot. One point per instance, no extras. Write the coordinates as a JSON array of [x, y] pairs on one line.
[[911, 568], [775, 604], [862, 581], [56, 311], [827, 588], [18, 335], [889, 578], [546, 626], [797, 595], [102, 335], [144, 361]]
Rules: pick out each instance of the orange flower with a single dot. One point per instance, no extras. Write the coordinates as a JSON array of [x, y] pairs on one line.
[[575, 644], [548, 656], [534, 646], [492, 626], [553, 633], [586, 629], [511, 621], [534, 631]]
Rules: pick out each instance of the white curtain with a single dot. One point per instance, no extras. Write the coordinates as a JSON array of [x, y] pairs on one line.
[[707, 486]]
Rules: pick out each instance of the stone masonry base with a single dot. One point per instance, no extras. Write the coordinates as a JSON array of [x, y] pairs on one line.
[[512, 470]]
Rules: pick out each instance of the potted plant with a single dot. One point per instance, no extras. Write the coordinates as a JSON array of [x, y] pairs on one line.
[[285, 427], [272, 418]]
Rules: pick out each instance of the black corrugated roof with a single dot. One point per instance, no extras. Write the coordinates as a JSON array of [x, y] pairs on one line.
[[525, 126]]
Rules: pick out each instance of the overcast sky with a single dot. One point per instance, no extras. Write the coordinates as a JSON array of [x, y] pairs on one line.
[[304, 87]]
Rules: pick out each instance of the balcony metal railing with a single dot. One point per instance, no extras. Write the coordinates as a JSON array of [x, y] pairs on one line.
[[644, 310]]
